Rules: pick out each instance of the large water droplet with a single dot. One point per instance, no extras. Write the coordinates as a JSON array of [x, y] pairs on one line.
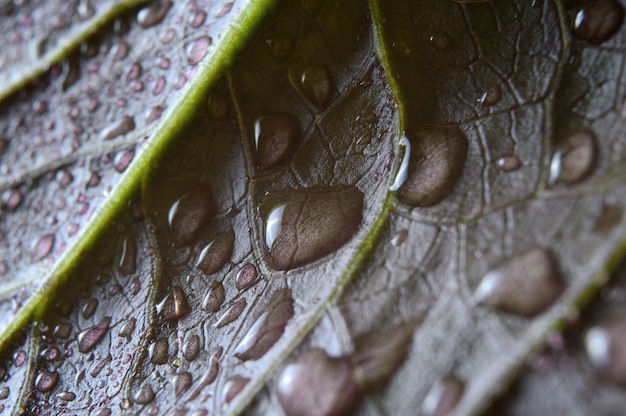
[[145, 395], [268, 327], [317, 384], [214, 298], [605, 344], [527, 284], [438, 155], [443, 397], [403, 170], [597, 21], [317, 84], [118, 128], [246, 276], [174, 306], [232, 313], [275, 138], [46, 380], [217, 253], [182, 382], [232, 387], [575, 159], [191, 348], [151, 15], [197, 49], [313, 224], [90, 337], [159, 351], [190, 214]]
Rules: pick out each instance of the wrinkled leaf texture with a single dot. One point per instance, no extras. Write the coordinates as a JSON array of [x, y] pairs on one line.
[[141, 172]]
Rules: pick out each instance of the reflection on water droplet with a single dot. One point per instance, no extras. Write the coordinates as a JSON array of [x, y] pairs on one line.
[[509, 163], [218, 106], [575, 160], [174, 305], [314, 223], [527, 284], [159, 351], [46, 380], [90, 337], [246, 276], [145, 395], [217, 253], [214, 298], [190, 214], [317, 84], [605, 344], [437, 159], [232, 387], [317, 384], [275, 138], [118, 128], [232, 313], [403, 170], [197, 49], [274, 225], [268, 327], [191, 348], [151, 15], [491, 96], [598, 20], [182, 382], [280, 47], [443, 397]]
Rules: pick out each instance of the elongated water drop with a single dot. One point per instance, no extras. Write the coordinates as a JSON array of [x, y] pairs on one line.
[[89, 338], [232, 313], [190, 214]]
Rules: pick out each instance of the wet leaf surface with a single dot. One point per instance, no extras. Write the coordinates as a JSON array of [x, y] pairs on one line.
[[379, 208]]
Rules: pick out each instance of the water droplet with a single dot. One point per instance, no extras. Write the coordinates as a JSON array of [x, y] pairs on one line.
[[209, 376], [197, 49], [443, 397], [174, 306], [159, 86], [118, 128], [403, 170], [120, 50], [128, 259], [218, 106], [134, 72], [90, 337], [94, 180], [527, 284], [145, 395], [491, 96], [72, 69], [90, 308], [575, 160], [62, 331], [128, 328], [232, 387], [313, 224], [317, 384], [399, 238], [439, 41], [217, 253], [610, 216], [182, 382], [597, 21], [190, 214], [50, 353], [232, 313], [280, 47], [13, 200], [43, 247], [151, 15], [438, 155], [46, 380], [123, 159], [246, 276], [66, 396], [317, 84], [19, 358], [275, 138], [191, 348], [4, 393], [159, 351], [224, 10], [214, 298], [268, 327], [509, 163], [197, 18]]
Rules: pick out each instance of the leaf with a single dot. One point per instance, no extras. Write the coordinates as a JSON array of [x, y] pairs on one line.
[[402, 201]]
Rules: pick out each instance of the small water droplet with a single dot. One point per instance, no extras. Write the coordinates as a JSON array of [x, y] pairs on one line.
[[232, 313], [316, 384], [197, 49], [71, 67], [120, 50], [437, 159], [214, 298], [190, 214], [575, 160], [151, 15], [246, 276], [597, 21], [182, 382], [43, 247], [159, 86], [118, 128], [443, 397], [232, 387], [491, 96], [46, 380], [217, 253], [313, 224], [145, 395], [50, 353], [527, 284], [159, 351], [317, 84], [399, 238], [197, 18], [128, 328], [123, 159], [134, 71], [62, 331], [90, 337], [13, 199], [4, 393], [128, 259], [66, 396], [89, 308], [275, 138], [19, 358], [174, 305], [604, 344], [403, 170], [224, 10], [439, 41], [509, 163], [218, 106], [191, 348], [610, 216], [267, 328], [280, 47]]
